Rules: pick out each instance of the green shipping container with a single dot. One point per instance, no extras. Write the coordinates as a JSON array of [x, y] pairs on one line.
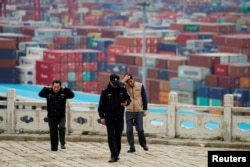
[[215, 102], [244, 9], [191, 28], [202, 101], [71, 76], [86, 76]]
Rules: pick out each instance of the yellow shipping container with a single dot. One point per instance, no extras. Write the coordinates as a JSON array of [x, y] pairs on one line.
[[95, 34], [97, 12]]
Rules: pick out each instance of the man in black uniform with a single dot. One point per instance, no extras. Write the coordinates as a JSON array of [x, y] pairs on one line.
[[56, 96], [111, 111]]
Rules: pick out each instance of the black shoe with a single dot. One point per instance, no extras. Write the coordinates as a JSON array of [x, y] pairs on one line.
[[53, 149], [131, 150], [113, 160], [145, 148], [63, 147]]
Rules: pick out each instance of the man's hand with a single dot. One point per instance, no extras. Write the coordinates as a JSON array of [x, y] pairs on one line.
[[124, 103], [125, 78], [103, 121]]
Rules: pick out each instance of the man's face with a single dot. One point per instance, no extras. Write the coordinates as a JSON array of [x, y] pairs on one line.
[[130, 82], [114, 83], [56, 87]]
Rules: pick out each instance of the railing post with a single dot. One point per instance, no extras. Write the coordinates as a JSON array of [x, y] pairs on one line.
[[173, 100], [227, 123], [11, 98]]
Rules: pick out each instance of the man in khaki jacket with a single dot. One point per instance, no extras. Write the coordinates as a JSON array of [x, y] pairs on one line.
[[135, 111]]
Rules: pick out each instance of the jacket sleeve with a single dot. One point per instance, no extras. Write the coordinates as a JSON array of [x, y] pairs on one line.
[[69, 93], [127, 97], [101, 105], [44, 92], [144, 98]]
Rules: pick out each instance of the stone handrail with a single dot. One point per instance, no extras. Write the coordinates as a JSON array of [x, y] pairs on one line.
[[30, 117]]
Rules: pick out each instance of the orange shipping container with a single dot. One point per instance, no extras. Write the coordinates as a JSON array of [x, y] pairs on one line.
[[244, 82], [163, 97], [215, 111]]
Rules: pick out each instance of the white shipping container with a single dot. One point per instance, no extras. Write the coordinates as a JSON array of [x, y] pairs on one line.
[[193, 72], [29, 61], [185, 97], [24, 45], [26, 71], [35, 52], [22, 79]]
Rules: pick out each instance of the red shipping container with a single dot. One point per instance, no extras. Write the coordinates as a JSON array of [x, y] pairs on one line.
[[63, 76], [133, 70], [63, 67], [203, 60], [79, 77], [212, 80], [45, 66], [228, 82], [239, 70], [78, 57], [93, 66], [172, 74], [174, 62], [240, 40], [71, 57], [70, 66], [153, 73], [46, 78], [183, 37], [94, 86], [86, 66], [221, 69], [79, 85], [78, 67], [113, 50], [55, 55]]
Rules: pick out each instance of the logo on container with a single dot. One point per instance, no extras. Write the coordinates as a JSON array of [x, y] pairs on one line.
[[44, 76]]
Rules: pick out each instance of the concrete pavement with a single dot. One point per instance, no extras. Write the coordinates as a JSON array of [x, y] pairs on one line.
[[92, 151]]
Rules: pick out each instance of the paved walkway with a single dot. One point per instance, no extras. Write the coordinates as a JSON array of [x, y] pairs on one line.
[[17, 153]]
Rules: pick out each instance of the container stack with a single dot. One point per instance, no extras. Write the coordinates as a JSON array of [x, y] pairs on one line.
[[26, 70], [7, 60], [77, 69]]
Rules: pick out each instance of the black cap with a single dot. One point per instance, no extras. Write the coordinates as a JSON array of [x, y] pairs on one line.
[[114, 78]]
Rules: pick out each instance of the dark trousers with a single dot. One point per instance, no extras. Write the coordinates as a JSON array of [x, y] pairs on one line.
[[55, 126], [135, 119], [114, 129]]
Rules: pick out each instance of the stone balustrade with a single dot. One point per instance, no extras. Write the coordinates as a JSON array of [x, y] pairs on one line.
[[180, 120]]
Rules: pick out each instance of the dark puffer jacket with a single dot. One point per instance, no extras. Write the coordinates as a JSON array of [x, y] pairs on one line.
[[56, 102], [111, 99]]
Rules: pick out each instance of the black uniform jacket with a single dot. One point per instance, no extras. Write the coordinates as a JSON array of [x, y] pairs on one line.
[[111, 99], [56, 102]]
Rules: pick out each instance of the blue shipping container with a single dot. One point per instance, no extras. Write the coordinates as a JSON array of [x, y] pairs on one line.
[[116, 68], [184, 84], [203, 91], [169, 47], [241, 94], [218, 92], [7, 53]]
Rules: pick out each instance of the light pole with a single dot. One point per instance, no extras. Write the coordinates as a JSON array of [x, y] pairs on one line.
[[144, 5]]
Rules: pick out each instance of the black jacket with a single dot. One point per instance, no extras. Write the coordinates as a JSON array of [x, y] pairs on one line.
[[56, 102], [111, 99]]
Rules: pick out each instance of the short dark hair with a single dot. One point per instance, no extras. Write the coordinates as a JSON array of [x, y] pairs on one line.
[[130, 76], [57, 81]]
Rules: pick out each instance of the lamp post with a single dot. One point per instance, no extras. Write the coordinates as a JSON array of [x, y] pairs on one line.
[[144, 5]]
